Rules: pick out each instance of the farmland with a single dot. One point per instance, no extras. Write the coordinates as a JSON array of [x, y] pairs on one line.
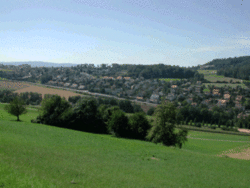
[[44, 90], [34, 155], [211, 76]]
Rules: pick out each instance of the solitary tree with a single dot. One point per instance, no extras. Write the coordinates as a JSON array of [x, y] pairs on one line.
[[16, 107], [163, 130]]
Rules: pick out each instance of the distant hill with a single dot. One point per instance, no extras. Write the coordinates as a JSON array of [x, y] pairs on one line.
[[237, 67], [228, 62], [39, 64]]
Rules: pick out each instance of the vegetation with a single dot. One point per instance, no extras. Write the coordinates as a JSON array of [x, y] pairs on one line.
[[16, 107], [164, 127], [237, 67], [30, 152]]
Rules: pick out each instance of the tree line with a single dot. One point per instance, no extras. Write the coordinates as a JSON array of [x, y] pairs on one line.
[[86, 116]]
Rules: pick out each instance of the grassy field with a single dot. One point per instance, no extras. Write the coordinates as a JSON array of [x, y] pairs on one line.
[[170, 79], [34, 155], [211, 76]]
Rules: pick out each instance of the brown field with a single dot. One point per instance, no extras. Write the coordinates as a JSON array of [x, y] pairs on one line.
[[44, 91], [238, 153], [13, 85]]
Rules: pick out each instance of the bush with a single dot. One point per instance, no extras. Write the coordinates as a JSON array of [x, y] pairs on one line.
[[150, 111], [137, 108], [212, 127], [139, 126], [85, 111], [118, 124]]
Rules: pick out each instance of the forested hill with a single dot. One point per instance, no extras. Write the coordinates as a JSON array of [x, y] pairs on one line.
[[156, 71], [237, 67]]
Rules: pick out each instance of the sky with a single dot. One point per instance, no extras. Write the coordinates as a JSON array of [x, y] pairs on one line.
[[184, 32]]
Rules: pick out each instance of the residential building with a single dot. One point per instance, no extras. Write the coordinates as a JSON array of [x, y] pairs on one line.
[[239, 105], [155, 98], [74, 86], [227, 96], [194, 104], [190, 100], [174, 88], [198, 89], [216, 92], [139, 98], [81, 87], [238, 98], [171, 96], [66, 84], [198, 82], [222, 103]]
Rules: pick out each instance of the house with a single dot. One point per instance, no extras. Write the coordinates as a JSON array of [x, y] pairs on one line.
[[66, 84], [206, 102], [127, 78], [154, 98], [174, 88], [119, 78], [227, 96], [216, 92], [139, 98], [238, 98], [171, 96], [60, 83], [198, 82], [194, 104], [189, 100], [81, 87], [222, 103], [239, 105], [190, 88], [74, 86], [207, 93], [107, 90], [198, 89]]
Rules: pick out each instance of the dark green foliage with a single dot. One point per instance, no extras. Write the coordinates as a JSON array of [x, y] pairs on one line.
[[126, 106], [151, 111], [16, 107], [163, 130], [139, 126], [86, 117], [52, 111], [45, 78], [137, 108], [118, 124], [74, 99]]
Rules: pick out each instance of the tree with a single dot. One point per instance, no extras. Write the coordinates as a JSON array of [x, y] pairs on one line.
[[118, 124], [150, 111], [139, 126], [16, 107], [163, 130]]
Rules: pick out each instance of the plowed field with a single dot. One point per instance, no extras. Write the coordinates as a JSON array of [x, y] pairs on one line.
[[44, 91]]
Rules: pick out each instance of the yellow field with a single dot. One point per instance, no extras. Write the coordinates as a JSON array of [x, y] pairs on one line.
[[44, 91]]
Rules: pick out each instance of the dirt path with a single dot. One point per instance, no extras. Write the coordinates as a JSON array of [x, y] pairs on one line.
[[244, 130]]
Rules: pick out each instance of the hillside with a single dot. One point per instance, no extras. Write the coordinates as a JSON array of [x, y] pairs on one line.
[[34, 155], [237, 67]]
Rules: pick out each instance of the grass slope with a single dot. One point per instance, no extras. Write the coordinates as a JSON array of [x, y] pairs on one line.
[[34, 155]]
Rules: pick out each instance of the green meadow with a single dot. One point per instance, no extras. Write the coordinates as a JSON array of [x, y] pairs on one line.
[[36, 155], [170, 79]]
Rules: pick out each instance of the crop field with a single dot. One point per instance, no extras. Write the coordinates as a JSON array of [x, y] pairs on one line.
[[44, 90], [35, 155], [13, 85]]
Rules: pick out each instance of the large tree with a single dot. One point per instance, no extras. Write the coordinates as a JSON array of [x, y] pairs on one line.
[[16, 107], [163, 130]]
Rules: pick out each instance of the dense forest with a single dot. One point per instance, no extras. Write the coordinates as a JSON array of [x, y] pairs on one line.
[[237, 67]]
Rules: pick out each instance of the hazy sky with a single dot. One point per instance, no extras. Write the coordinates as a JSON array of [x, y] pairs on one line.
[[183, 33]]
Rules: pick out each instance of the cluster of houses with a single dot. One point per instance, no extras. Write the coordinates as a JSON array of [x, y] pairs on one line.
[[148, 90]]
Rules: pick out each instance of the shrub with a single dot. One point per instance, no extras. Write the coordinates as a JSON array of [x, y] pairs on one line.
[[118, 124], [150, 111], [139, 126]]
